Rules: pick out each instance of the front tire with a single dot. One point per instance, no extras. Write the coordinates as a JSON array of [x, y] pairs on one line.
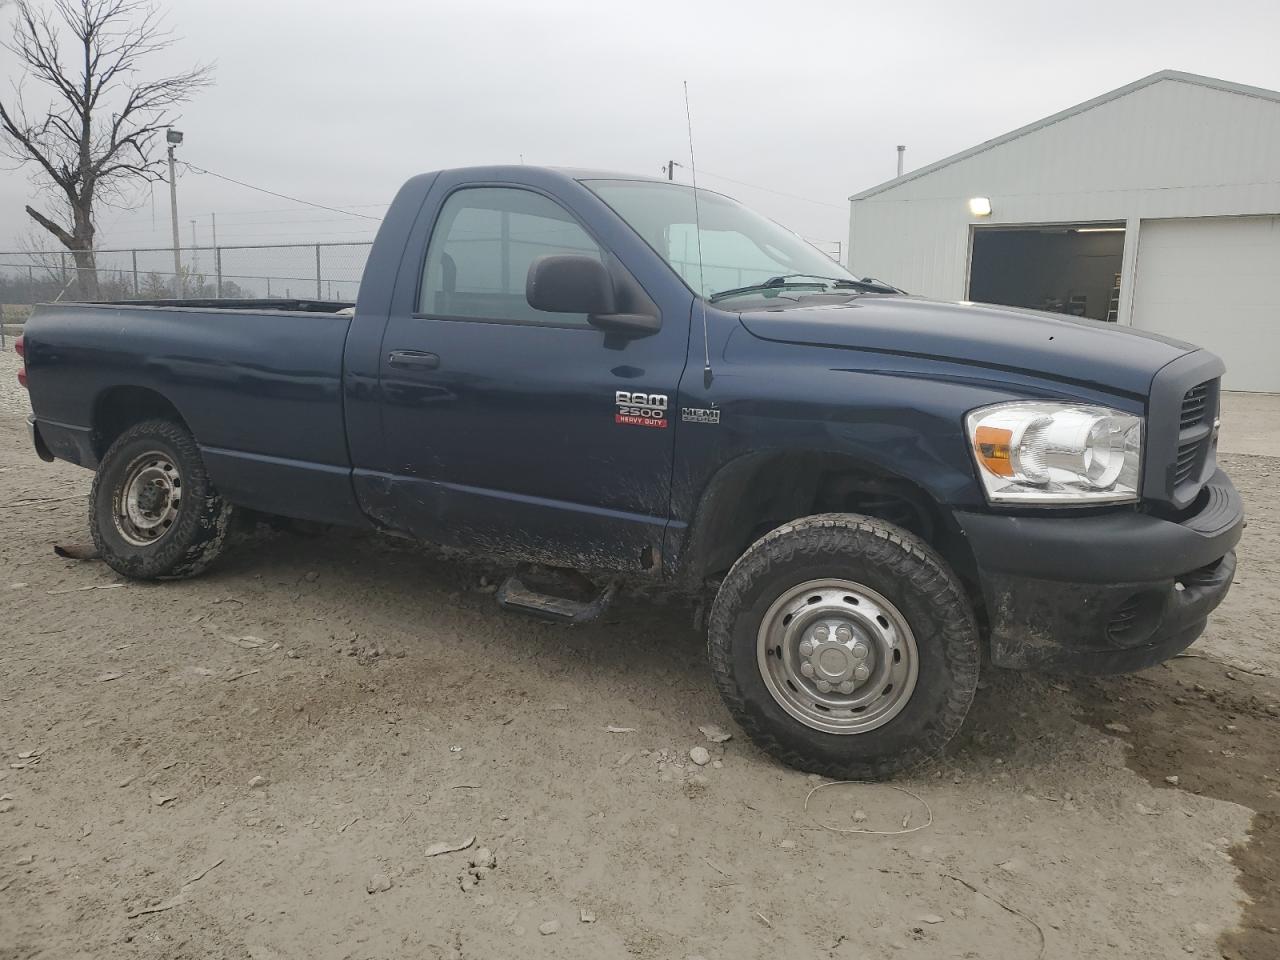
[[844, 646], [154, 514]]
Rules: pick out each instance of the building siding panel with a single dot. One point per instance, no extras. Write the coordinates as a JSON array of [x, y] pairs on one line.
[[1171, 149]]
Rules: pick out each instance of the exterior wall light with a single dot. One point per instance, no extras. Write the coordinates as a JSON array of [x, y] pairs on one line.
[[980, 206]]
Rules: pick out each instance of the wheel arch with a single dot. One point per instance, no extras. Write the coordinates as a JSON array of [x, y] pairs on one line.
[[118, 408], [759, 491]]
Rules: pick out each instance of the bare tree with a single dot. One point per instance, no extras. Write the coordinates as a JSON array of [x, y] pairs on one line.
[[95, 127]]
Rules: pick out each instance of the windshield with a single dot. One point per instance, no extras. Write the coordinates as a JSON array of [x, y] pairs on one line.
[[739, 247]]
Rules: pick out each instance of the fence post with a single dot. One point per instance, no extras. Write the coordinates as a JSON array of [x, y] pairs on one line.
[[217, 266], [319, 291], [137, 293], [63, 258]]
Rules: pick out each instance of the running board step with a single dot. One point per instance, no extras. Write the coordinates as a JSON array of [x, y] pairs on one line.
[[514, 595]]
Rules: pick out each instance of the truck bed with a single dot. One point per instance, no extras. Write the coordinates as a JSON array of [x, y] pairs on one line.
[[259, 382]]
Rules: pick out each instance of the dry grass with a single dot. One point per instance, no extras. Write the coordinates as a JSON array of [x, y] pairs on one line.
[[14, 312]]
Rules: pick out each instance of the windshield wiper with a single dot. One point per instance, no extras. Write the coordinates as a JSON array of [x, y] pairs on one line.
[[782, 283], [865, 283], [773, 283]]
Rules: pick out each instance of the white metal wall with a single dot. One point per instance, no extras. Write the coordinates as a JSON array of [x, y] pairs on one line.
[[1214, 282], [1169, 149]]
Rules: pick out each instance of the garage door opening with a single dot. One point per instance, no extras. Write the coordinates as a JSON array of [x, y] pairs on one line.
[[1063, 268]]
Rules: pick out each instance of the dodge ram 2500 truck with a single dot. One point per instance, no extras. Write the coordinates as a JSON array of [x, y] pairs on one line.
[[876, 493]]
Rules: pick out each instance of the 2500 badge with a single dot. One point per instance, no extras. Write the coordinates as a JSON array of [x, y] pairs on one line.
[[640, 409]]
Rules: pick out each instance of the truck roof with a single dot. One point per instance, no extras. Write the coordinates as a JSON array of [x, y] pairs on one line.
[[568, 173]]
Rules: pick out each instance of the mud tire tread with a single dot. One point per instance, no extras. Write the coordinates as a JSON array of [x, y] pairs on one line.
[[200, 530], [924, 589]]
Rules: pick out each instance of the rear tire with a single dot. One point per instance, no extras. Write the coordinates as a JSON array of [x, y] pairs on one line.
[[844, 646], [154, 514]]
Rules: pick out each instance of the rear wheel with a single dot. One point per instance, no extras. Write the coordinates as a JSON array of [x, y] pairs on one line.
[[154, 514], [844, 646]]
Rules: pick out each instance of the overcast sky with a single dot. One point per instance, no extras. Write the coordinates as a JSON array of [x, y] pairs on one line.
[[339, 102]]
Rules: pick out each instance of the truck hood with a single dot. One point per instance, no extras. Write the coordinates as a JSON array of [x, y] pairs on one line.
[[1048, 345]]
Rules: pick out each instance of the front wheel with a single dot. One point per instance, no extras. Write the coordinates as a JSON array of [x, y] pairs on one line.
[[154, 514], [845, 646]]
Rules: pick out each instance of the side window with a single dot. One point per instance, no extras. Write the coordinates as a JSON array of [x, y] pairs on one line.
[[484, 240]]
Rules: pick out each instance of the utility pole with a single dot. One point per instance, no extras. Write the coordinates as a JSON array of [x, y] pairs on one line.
[[174, 137], [195, 249], [217, 257], [902, 150], [671, 169]]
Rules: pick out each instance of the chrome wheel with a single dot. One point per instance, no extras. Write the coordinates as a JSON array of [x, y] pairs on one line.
[[146, 503], [837, 656]]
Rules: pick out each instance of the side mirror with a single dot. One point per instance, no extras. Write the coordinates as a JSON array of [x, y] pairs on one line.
[[576, 283], [569, 283]]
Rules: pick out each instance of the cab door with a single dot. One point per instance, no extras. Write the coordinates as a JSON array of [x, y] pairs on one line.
[[527, 434]]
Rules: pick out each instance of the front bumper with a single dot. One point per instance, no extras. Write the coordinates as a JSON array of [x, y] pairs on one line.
[[1110, 593]]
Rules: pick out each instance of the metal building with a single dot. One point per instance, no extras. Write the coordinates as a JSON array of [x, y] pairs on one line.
[[1155, 205]]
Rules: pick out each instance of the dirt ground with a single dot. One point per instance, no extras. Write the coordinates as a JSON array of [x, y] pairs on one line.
[[389, 705]]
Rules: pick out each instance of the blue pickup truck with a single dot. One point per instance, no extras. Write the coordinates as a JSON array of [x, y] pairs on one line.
[[869, 494]]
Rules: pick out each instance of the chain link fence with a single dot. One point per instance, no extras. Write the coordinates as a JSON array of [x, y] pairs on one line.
[[322, 271]]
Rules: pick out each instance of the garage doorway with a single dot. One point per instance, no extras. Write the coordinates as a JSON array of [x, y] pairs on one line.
[[1063, 268]]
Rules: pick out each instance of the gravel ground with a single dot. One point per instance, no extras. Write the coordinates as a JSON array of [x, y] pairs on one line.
[[13, 398], [388, 705]]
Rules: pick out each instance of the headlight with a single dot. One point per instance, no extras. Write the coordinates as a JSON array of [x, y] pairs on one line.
[[1047, 452]]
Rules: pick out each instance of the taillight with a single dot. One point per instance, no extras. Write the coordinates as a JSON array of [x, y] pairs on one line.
[[20, 347]]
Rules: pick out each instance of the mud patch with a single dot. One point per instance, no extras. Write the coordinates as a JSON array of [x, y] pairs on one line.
[[1218, 731]]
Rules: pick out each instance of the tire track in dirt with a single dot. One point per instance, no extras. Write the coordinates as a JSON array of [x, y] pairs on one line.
[[1217, 730]]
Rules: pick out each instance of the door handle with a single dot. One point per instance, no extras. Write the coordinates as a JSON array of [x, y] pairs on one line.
[[415, 359]]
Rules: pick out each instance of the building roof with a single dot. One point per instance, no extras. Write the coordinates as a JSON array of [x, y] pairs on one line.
[[1224, 85]]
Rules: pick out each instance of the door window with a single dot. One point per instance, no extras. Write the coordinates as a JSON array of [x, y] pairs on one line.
[[480, 251]]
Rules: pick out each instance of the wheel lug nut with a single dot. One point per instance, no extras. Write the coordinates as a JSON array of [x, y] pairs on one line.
[[806, 668], [822, 633], [860, 651], [823, 686], [844, 634], [861, 673], [846, 687], [806, 647]]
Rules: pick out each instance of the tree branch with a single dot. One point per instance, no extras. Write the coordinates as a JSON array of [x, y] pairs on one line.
[[104, 124], [35, 43], [65, 238], [26, 140]]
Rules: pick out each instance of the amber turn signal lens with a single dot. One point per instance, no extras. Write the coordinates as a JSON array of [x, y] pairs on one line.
[[993, 449]]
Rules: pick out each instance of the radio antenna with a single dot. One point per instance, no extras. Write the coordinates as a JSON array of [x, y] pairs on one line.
[[697, 227]]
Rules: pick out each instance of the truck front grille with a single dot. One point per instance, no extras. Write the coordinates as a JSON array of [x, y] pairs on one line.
[[1180, 440], [1195, 405], [1195, 435], [1188, 454]]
